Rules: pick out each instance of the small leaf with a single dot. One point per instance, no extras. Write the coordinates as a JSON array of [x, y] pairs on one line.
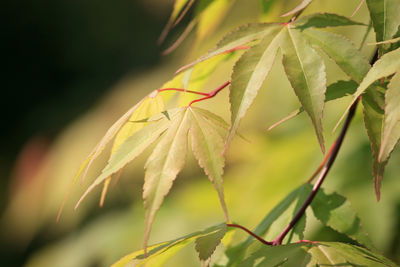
[[248, 76], [391, 127], [373, 120], [207, 146], [306, 73], [323, 20], [385, 19], [298, 8], [334, 211], [388, 64], [128, 151], [239, 37], [340, 50], [207, 243], [160, 253], [163, 165]]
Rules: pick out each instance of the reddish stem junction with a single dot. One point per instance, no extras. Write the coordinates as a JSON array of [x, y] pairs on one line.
[[323, 169], [206, 95]]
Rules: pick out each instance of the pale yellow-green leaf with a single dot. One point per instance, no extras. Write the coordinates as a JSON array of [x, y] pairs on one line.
[[207, 146], [129, 150], [163, 165], [391, 127], [249, 74]]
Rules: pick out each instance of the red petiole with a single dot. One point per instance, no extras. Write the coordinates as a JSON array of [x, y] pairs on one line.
[[206, 95]]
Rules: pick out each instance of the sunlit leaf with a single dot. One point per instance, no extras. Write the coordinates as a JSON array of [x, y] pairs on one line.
[[323, 20], [385, 66], [207, 146], [372, 102], [385, 19], [306, 73], [298, 8], [163, 165], [391, 127], [315, 254], [129, 150], [334, 210], [249, 74], [165, 250], [150, 106]]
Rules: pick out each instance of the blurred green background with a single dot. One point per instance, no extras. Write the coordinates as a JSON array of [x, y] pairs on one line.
[[72, 68]]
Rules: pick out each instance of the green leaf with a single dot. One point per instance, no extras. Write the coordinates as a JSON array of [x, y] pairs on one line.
[[207, 147], [340, 50], [306, 73], [385, 19], [158, 254], [298, 8], [334, 91], [315, 254], [237, 252], [388, 64], [129, 150], [207, 243], [248, 75], [323, 20], [391, 127], [163, 165], [238, 37], [334, 210], [373, 120]]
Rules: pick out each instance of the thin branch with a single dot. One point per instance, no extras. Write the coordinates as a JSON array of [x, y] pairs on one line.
[[325, 170], [250, 233]]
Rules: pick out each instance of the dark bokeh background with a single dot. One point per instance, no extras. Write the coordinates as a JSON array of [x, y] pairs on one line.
[[58, 59]]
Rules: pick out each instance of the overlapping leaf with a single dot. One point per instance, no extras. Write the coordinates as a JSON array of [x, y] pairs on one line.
[[172, 127], [304, 67], [315, 254], [206, 242], [391, 129], [332, 210], [111, 132], [385, 19], [377, 113], [373, 103]]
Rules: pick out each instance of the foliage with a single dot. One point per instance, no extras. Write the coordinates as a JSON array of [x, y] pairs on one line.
[[302, 43]]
